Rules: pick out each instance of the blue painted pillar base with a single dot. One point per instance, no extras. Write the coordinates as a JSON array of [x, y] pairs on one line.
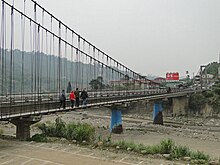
[[116, 121], [157, 113]]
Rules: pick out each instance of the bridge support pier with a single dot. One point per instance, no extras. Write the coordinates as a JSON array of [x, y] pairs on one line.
[[180, 105], [116, 121], [23, 126], [157, 113]]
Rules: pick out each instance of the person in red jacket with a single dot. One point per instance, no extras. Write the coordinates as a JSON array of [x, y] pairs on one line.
[[72, 98]]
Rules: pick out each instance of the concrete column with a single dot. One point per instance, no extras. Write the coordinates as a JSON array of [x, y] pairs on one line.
[[180, 105], [116, 121], [23, 126], [157, 113]]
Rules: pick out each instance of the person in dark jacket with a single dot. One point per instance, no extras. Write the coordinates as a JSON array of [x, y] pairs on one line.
[[84, 96], [77, 96], [62, 98]]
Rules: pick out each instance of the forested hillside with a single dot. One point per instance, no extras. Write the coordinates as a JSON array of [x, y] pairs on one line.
[[38, 72]]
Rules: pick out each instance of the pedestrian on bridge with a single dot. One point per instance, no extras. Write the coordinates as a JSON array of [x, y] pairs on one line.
[[62, 98], [77, 97], [72, 98], [84, 96]]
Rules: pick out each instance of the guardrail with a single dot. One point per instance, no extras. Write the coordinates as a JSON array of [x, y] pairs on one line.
[[47, 103]]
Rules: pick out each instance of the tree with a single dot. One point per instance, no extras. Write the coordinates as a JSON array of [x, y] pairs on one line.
[[196, 101], [97, 83]]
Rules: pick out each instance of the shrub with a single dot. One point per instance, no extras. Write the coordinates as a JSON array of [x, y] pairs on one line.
[[1, 131], [60, 129], [199, 156], [180, 152], [80, 132], [166, 146], [71, 131], [196, 101], [39, 138]]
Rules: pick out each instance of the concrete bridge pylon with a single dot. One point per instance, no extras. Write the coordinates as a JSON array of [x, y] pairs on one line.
[[23, 126]]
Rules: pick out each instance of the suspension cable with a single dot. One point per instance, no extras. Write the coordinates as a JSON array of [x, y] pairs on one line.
[[54, 35], [71, 70], [41, 53], [59, 59], [65, 60], [2, 48], [82, 64], [50, 59], [11, 51]]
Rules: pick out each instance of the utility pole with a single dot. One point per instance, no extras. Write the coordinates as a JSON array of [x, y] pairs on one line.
[[219, 58]]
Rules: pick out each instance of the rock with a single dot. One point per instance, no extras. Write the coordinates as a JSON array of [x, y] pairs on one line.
[[74, 141], [83, 141], [100, 143], [128, 149], [186, 158], [214, 162], [117, 147], [85, 115], [166, 156], [63, 140], [143, 151]]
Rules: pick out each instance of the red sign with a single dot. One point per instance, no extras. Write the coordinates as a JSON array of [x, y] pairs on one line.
[[172, 76]]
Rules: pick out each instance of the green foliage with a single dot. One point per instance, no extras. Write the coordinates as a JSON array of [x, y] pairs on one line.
[[97, 83], [71, 131], [60, 127], [199, 156], [39, 138], [106, 141], [51, 70], [80, 132], [166, 146], [215, 102], [1, 131], [212, 68], [180, 152], [196, 101], [208, 94]]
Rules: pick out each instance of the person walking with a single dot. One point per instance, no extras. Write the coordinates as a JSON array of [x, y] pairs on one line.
[[72, 98], [77, 97], [62, 98], [84, 96]]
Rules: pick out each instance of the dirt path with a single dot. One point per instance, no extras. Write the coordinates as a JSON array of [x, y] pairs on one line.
[[30, 153]]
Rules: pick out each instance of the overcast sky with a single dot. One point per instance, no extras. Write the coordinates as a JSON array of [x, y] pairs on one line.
[[148, 36]]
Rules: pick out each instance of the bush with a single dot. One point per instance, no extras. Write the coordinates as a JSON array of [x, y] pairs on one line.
[[39, 138], [196, 101], [60, 128], [199, 156], [80, 132], [1, 131], [72, 131], [180, 152], [166, 146]]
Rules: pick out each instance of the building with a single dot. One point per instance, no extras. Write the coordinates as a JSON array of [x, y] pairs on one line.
[[135, 84]]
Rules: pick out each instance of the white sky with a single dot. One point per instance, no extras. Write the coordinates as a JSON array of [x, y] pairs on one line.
[[148, 36]]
